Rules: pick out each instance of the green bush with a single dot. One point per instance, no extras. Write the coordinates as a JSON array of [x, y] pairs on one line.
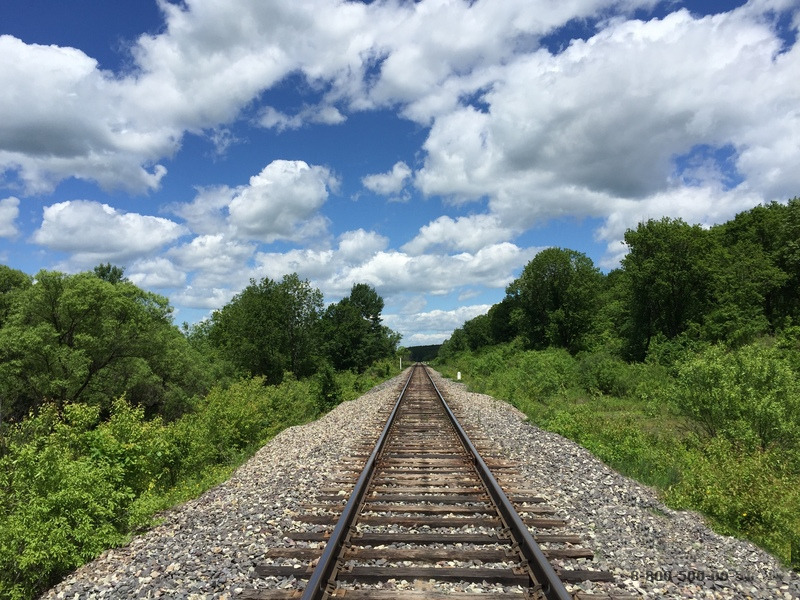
[[602, 373], [72, 485], [749, 395], [743, 472], [755, 494]]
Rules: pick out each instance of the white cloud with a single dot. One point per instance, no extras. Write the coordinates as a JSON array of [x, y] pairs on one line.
[[217, 261], [158, 273], [207, 298], [432, 327], [597, 130], [62, 117], [703, 205], [281, 202], [389, 183], [94, 232], [208, 212], [9, 211], [355, 245], [462, 234], [325, 115], [392, 272]]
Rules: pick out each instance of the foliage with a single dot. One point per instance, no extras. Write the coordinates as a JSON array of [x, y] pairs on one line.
[[268, 328], [754, 494], [79, 338], [557, 295], [351, 331], [72, 485], [667, 280], [749, 395], [744, 472]]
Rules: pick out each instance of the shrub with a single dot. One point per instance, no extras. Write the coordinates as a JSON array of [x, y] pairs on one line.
[[749, 395], [749, 493]]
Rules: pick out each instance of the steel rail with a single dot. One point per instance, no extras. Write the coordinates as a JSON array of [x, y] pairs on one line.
[[317, 587], [552, 587]]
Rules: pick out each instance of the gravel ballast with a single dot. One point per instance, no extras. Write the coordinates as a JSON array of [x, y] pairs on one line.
[[207, 548]]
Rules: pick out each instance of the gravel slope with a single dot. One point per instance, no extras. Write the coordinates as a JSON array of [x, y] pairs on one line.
[[206, 548]]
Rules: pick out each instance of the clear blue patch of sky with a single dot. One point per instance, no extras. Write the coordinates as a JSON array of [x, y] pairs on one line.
[[103, 29], [704, 163]]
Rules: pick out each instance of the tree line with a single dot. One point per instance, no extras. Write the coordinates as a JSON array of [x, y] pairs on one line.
[[109, 413], [680, 368], [678, 285], [92, 337]]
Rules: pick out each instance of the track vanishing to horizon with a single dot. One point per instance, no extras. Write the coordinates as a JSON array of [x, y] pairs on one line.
[[425, 508]]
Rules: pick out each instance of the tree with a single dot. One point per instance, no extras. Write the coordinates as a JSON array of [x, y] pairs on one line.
[[78, 338], [774, 230], [110, 273], [352, 334], [478, 332], [269, 328], [557, 296], [503, 320], [11, 282], [668, 278]]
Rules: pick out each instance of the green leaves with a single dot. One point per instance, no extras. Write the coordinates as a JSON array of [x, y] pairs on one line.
[[79, 338], [749, 395], [558, 295]]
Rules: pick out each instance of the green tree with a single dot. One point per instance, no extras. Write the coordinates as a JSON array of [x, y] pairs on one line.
[[269, 328], [78, 338], [502, 321], [478, 332], [668, 278], [749, 395], [557, 295], [743, 277], [110, 273], [11, 282], [352, 333], [775, 229]]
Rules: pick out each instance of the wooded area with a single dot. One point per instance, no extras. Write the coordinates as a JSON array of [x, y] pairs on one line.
[[679, 368], [109, 412]]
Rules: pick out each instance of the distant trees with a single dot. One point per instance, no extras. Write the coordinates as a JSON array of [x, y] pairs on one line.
[[557, 296], [273, 327], [268, 328], [351, 331], [668, 279], [679, 285]]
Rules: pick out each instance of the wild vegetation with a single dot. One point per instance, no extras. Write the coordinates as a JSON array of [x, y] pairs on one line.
[[680, 368], [109, 413]]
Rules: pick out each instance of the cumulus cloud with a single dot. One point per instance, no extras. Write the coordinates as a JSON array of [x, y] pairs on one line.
[[281, 202], [217, 261], [272, 118], [435, 326], [63, 117], [599, 129], [158, 273], [462, 234], [389, 183], [9, 211], [392, 272], [93, 232]]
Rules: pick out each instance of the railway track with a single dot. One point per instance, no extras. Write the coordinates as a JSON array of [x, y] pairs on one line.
[[426, 514]]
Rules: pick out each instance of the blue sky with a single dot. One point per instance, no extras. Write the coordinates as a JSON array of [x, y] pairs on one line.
[[428, 148]]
